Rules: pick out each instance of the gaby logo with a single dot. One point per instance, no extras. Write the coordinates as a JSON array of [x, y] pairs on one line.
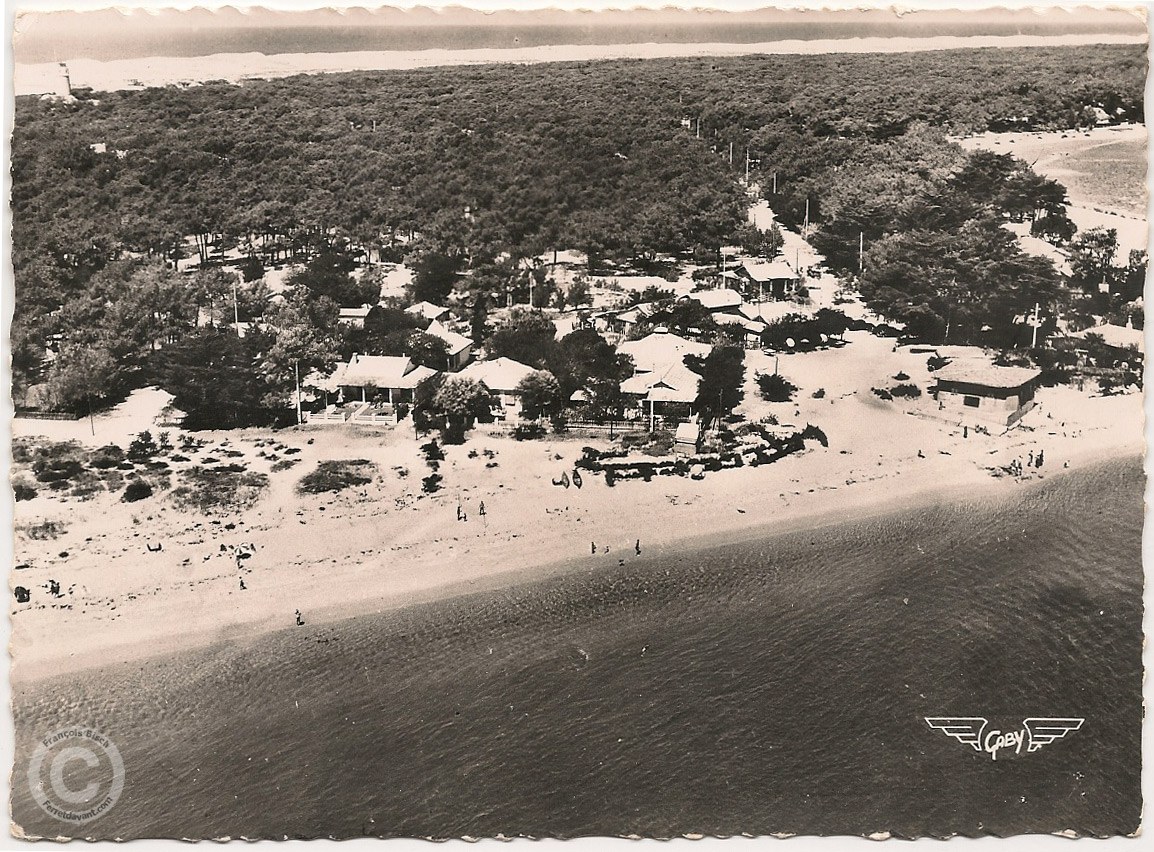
[[1035, 733]]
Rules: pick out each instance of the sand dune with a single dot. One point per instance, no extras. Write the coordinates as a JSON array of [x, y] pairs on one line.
[[165, 71]]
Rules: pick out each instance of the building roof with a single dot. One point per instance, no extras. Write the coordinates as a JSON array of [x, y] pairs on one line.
[[776, 270], [428, 310], [1118, 336], [989, 375], [457, 343], [659, 349], [670, 383], [355, 313], [716, 300], [501, 374], [382, 371]]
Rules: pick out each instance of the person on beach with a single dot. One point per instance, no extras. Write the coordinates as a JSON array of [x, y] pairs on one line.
[[458, 511], [1030, 463], [592, 548], [481, 509], [965, 431], [1038, 461], [300, 621], [242, 585], [637, 547]]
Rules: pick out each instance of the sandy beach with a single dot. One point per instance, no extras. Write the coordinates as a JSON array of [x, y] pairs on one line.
[[164, 71], [1103, 170], [144, 578]]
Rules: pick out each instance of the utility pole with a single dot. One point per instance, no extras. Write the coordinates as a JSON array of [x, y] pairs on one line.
[[235, 308], [297, 374], [1034, 341], [775, 183], [699, 128], [861, 251], [747, 165], [731, 153], [805, 227]]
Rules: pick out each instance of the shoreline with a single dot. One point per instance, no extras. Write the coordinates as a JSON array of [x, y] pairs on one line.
[[48, 656], [121, 74]]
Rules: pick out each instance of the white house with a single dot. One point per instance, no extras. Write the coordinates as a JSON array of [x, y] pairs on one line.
[[659, 349], [385, 379], [431, 312], [460, 347], [974, 391], [501, 376]]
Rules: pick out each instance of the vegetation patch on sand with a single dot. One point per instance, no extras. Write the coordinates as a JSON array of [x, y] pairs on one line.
[[218, 489], [337, 476]]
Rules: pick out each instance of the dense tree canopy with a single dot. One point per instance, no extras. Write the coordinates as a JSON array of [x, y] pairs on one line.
[[483, 169]]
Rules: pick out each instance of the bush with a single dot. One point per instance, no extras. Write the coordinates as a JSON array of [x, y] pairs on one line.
[[814, 433], [23, 490], [431, 483], [432, 451], [283, 464], [142, 447], [106, 457], [336, 476], [218, 489], [911, 391], [936, 362], [819, 393], [57, 469], [775, 387], [137, 490], [901, 377], [882, 393], [528, 431]]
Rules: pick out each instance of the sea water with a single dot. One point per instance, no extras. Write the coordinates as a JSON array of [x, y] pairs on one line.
[[780, 685]]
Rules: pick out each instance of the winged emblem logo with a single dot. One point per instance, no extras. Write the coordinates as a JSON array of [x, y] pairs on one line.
[[1035, 732]]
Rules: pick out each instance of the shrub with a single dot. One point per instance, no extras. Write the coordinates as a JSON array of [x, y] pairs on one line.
[[432, 451], [283, 464], [43, 531], [936, 362], [57, 469], [138, 489], [336, 476], [142, 447], [819, 393], [901, 377], [23, 490], [775, 387], [106, 457], [218, 489], [431, 483], [882, 393], [528, 431], [906, 390], [86, 485], [814, 433]]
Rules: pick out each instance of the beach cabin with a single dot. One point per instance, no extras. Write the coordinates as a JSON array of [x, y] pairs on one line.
[[776, 280], [720, 301], [431, 312], [354, 317], [501, 376], [460, 347], [660, 349], [385, 379], [1120, 341], [666, 393], [976, 392]]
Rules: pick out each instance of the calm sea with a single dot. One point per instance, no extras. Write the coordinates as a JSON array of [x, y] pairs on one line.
[[774, 686]]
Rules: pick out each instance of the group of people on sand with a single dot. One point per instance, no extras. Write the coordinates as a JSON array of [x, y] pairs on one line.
[[1033, 461], [462, 515]]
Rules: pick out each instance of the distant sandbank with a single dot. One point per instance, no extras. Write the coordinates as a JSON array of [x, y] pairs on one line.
[[31, 79]]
